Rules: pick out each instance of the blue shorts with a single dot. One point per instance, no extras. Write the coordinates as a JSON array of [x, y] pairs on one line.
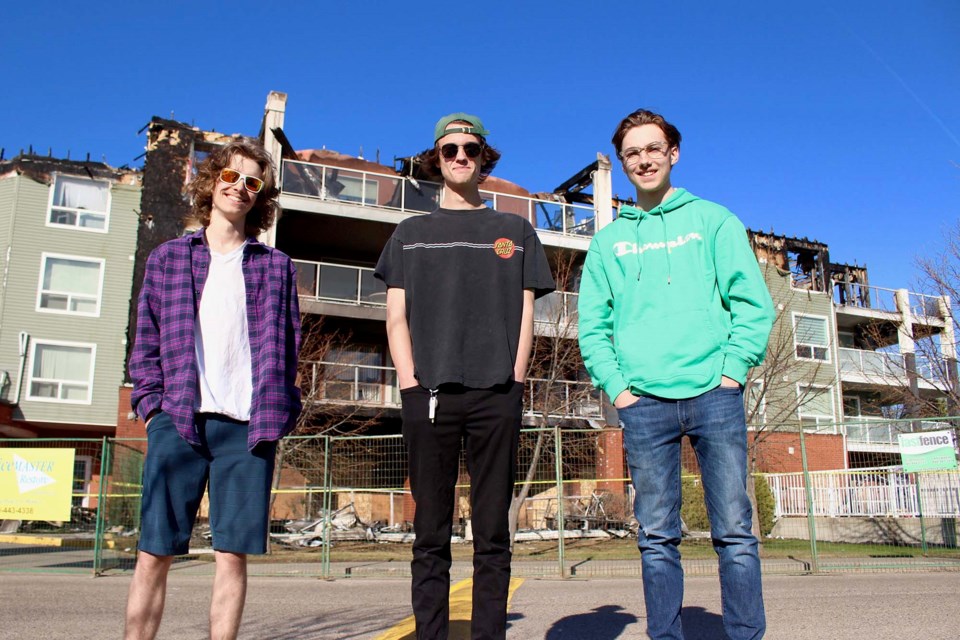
[[176, 473]]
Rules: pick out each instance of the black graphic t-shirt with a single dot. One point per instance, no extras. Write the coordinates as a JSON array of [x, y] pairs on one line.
[[463, 274]]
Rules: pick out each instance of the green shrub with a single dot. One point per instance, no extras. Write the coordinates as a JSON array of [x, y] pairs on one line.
[[693, 509], [766, 505]]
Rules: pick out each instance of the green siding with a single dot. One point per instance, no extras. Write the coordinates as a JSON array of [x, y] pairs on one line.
[[781, 395], [31, 238]]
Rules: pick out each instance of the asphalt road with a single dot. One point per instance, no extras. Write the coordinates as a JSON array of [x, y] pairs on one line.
[[878, 606]]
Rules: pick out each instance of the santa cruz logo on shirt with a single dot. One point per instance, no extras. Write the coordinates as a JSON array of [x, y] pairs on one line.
[[504, 248]]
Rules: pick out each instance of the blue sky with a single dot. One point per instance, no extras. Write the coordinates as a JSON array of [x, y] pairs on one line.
[[834, 121]]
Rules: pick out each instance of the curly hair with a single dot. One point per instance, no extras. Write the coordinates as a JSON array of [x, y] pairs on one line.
[[641, 117], [265, 208], [430, 159]]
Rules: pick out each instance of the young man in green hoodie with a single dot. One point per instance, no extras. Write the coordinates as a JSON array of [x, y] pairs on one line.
[[673, 312]]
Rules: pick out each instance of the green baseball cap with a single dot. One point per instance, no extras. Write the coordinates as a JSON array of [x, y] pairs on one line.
[[476, 126]]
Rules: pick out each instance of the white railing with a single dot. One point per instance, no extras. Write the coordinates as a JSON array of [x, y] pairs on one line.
[[889, 367], [556, 308], [868, 492], [870, 297], [880, 364], [368, 189], [339, 283], [370, 385], [865, 296], [344, 383], [562, 399], [924, 306], [877, 430]]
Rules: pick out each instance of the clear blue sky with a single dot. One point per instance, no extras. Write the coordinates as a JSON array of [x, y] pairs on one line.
[[837, 121]]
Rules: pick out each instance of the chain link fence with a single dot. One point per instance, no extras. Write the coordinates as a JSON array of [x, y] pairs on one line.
[[341, 506]]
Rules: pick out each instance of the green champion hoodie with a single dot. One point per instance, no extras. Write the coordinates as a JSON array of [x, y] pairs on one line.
[[679, 291]]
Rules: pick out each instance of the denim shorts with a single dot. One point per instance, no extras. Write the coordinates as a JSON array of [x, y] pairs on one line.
[[176, 474]]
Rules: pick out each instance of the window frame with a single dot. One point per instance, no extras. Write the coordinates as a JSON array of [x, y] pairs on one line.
[[826, 332], [817, 417], [76, 227], [761, 411], [60, 343], [43, 270]]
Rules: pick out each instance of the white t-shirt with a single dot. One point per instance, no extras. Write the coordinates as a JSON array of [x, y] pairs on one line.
[[222, 339]]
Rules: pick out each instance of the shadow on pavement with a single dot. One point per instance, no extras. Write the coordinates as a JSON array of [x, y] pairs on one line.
[[602, 623]]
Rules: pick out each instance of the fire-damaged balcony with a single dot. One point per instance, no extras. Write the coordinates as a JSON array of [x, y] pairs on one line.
[[376, 387], [305, 185]]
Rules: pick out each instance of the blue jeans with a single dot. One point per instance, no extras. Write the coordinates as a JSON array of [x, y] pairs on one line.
[[715, 424]]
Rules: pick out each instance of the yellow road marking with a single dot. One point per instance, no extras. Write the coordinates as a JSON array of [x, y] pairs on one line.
[[461, 604]]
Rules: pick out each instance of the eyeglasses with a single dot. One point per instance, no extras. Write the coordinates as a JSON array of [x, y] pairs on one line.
[[471, 150], [654, 151], [232, 176]]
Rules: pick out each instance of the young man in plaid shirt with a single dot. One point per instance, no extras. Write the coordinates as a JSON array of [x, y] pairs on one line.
[[214, 369]]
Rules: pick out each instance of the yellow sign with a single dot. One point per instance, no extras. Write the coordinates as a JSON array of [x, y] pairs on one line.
[[35, 484]]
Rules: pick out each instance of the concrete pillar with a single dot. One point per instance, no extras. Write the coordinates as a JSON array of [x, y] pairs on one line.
[[948, 349], [908, 350], [602, 192], [273, 118]]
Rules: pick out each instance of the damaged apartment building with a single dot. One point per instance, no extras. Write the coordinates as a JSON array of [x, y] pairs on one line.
[[842, 350], [846, 351]]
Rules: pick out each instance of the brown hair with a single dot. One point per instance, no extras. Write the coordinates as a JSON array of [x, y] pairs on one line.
[[641, 117], [430, 159], [265, 207]]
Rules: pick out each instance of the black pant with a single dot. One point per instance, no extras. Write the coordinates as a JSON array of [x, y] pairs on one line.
[[487, 422]]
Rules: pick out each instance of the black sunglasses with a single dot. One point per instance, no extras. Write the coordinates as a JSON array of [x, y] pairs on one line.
[[471, 150]]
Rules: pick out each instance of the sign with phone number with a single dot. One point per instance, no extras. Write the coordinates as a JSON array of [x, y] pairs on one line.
[[35, 484]]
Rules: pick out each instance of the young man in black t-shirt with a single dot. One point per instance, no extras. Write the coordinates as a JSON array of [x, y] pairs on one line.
[[461, 285]]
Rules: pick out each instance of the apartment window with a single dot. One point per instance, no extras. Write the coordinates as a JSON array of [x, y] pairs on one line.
[[80, 203], [756, 401], [815, 405], [70, 284], [810, 337], [851, 407], [61, 372]]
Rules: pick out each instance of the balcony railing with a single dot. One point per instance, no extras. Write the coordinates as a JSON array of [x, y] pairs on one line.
[[360, 384], [369, 385], [890, 367], [872, 364], [870, 297], [368, 189], [339, 283], [562, 399], [556, 308], [876, 430], [865, 296]]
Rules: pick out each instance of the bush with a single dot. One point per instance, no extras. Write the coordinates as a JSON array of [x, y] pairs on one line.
[[693, 509], [766, 505]]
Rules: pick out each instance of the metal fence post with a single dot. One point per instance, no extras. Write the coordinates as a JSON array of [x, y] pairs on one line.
[[327, 508], [923, 527], [105, 475], [558, 472], [811, 521]]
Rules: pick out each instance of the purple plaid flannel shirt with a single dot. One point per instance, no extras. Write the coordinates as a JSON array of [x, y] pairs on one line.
[[163, 364]]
